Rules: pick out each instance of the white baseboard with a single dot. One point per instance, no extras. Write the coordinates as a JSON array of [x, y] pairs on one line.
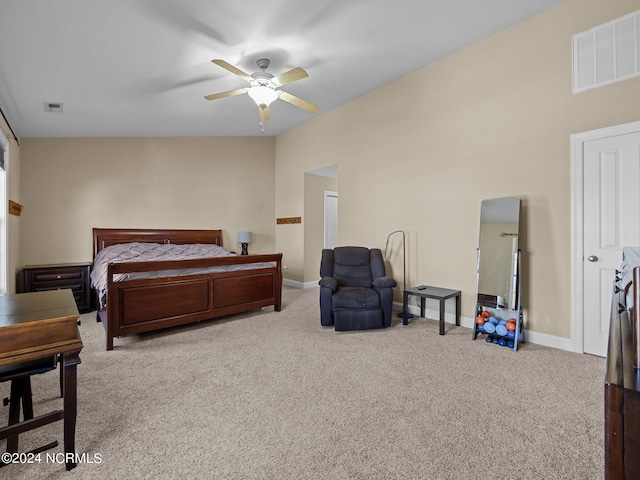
[[546, 340], [296, 284], [543, 339]]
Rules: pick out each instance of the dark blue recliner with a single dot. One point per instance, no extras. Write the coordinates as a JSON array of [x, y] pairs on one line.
[[355, 293]]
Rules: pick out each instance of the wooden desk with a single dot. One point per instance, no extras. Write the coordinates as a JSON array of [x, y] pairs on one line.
[[37, 325]]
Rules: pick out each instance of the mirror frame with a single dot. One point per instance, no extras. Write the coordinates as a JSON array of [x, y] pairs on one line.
[[504, 215]]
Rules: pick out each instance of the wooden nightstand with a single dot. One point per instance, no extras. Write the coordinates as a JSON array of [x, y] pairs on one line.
[[38, 278]]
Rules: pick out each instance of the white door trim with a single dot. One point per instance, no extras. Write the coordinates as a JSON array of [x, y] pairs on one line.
[[577, 224], [327, 194]]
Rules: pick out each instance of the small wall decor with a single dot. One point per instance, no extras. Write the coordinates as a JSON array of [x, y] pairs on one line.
[[288, 220], [15, 208]]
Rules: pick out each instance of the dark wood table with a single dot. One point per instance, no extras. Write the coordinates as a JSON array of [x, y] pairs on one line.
[[38, 325], [438, 293]]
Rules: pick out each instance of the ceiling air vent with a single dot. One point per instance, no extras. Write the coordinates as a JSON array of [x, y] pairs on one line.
[[54, 107], [607, 53]]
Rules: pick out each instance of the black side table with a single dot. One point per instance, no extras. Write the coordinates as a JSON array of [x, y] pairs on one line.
[[424, 292]]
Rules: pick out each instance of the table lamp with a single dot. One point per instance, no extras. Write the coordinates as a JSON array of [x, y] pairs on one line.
[[244, 238]]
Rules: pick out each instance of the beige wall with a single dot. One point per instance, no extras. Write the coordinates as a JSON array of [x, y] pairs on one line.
[[73, 185], [14, 221], [419, 154]]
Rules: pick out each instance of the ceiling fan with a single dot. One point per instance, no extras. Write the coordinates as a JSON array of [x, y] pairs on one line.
[[264, 86]]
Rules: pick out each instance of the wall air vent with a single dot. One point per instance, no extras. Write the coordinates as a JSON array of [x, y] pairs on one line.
[[607, 53], [55, 107]]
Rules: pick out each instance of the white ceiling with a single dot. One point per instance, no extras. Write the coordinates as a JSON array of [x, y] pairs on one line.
[[142, 67]]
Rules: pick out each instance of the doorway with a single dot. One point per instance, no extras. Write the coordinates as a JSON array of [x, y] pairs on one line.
[[605, 208], [320, 194]]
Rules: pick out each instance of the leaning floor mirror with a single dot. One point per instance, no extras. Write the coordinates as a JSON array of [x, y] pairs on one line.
[[498, 308]]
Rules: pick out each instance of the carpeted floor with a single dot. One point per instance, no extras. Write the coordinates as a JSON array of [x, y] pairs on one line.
[[269, 395]]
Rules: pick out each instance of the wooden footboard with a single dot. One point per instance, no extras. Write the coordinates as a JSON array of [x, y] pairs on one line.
[[135, 306]]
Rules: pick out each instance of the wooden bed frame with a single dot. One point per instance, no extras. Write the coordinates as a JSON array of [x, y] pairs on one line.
[[135, 306]]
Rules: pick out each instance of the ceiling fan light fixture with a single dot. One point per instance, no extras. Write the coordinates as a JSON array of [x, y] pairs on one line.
[[263, 96], [263, 88]]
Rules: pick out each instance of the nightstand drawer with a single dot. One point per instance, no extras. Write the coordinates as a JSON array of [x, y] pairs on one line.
[[74, 276], [49, 276], [76, 289], [76, 286]]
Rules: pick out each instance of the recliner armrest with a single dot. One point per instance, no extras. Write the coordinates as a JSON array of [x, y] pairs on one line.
[[329, 282], [382, 282]]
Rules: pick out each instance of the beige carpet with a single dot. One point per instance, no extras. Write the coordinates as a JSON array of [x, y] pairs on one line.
[[273, 395]]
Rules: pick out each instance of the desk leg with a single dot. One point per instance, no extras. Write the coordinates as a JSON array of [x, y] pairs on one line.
[[423, 302], [405, 304], [70, 364], [441, 316], [458, 310]]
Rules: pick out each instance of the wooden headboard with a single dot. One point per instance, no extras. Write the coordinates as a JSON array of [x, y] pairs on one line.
[[103, 237]]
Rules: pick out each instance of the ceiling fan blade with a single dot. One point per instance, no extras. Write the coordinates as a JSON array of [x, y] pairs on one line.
[[265, 114], [290, 76], [298, 102], [232, 69], [230, 93]]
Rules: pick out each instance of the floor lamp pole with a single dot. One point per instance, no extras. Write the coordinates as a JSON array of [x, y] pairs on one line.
[[404, 265]]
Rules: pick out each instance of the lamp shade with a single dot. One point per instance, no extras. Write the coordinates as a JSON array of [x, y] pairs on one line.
[[244, 237], [263, 95]]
